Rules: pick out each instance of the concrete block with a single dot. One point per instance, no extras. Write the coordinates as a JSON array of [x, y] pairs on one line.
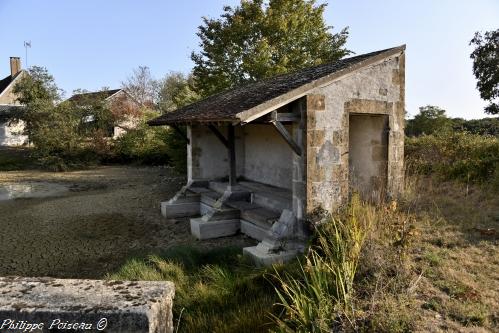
[[265, 258], [272, 201], [210, 198], [262, 216], [214, 229], [225, 213], [254, 231], [180, 209], [58, 305]]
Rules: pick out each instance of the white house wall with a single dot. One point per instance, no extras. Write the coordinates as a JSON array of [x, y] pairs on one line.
[[11, 134]]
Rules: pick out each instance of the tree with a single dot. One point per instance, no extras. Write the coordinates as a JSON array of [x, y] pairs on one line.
[[260, 39], [429, 120], [486, 67], [484, 126], [175, 91], [142, 86], [37, 85], [38, 92]]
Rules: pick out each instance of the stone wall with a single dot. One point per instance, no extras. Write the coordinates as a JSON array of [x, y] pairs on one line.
[[268, 158], [60, 305], [207, 157], [376, 89], [262, 155]]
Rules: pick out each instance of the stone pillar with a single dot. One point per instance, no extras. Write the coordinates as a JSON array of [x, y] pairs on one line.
[[300, 162], [189, 154], [397, 136]]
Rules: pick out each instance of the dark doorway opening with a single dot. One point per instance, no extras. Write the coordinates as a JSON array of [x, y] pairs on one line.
[[368, 155]]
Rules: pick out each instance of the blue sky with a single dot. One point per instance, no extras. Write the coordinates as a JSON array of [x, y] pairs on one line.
[[94, 43]]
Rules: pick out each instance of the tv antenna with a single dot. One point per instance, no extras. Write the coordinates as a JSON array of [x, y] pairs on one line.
[[26, 45]]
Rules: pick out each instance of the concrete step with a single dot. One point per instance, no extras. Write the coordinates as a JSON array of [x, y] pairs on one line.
[[224, 213], [261, 216], [265, 258], [198, 189], [238, 192], [180, 208], [210, 197], [202, 229], [272, 201], [242, 205], [254, 231], [189, 197]]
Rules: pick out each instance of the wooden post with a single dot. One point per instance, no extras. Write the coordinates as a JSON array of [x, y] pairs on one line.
[[232, 156]]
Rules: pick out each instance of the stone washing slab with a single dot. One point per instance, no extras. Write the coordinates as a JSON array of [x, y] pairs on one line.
[[65, 304], [266, 258], [214, 229], [180, 208], [254, 231]]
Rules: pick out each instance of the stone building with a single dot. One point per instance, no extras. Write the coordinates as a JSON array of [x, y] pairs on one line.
[[261, 157], [11, 132]]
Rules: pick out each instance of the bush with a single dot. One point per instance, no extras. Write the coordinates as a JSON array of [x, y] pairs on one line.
[[454, 155], [152, 145], [143, 145]]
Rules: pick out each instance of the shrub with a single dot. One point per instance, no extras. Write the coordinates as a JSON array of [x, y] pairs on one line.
[[152, 145], [454, 155]]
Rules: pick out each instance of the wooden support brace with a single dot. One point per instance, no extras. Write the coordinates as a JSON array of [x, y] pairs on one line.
[[219, 136], [287, 137], [181, 133], [232, 156]]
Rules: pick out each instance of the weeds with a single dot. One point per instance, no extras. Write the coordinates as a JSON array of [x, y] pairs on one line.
[[321, 295], [216, 290]]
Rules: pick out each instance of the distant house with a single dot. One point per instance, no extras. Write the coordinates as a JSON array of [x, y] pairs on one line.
[[11, 132], [118, 100]]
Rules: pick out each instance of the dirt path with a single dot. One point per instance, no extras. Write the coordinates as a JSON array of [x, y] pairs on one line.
[[108, 215]]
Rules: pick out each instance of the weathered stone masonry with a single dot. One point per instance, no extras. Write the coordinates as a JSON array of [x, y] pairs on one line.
[[377, 89]]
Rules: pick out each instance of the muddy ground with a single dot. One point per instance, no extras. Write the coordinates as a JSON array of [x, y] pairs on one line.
[[108, 215]]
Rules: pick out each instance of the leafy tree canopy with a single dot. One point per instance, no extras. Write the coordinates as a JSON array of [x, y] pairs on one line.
[[38, 85], [429, 120], [175, 91], [259, 39], [486, 67]]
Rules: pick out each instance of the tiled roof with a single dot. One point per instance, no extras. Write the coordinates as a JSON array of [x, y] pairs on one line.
[[4, 83], [7, 111], [228, 106], [98, 95]]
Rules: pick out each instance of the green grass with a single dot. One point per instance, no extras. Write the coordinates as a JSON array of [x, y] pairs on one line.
[[216, 290]]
